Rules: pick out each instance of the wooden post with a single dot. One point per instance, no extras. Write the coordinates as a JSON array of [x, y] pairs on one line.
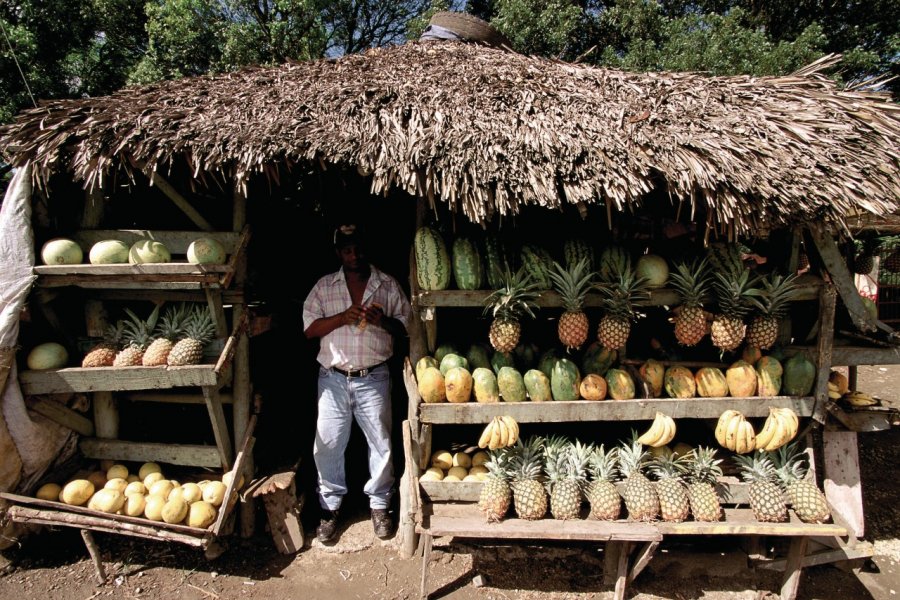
[[611, 553], [793, 568], [106, 415], [622, 572], [406, 527], [92, 549], [843, 487], [220, 429], [827, 301], [426, 556]]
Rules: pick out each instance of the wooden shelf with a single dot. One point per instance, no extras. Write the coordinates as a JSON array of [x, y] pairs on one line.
[[609, 410], [145, 276], [808, 290], [193, 455], [465, 521], [115, 379]]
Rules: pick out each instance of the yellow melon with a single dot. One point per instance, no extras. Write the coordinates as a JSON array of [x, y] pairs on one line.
[[77, 492], [134, 505], [117, 471], [174, 510], [214, 493], [153, 507], [107, 500], [201, 514], [442, 459], [147, 468], [49, 491], [116, 483]]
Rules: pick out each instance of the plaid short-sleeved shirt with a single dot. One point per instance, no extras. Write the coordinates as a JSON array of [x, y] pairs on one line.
[[348, 347]]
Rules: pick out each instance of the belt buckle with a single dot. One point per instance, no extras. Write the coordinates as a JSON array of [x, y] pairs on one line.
[[362, 372]]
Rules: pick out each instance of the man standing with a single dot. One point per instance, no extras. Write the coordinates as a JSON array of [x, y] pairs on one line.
[[356, 313]]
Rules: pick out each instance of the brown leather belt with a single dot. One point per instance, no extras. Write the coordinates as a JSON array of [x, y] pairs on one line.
[[359, 373]]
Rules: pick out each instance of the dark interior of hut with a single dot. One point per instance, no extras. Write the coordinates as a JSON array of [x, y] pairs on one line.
[[292, 221]]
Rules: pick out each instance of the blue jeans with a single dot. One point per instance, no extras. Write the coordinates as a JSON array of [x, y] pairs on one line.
[[342, 399]]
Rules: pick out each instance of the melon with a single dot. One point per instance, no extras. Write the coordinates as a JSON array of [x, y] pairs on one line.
[[135, 487], [484, 384], [153, 506], [108, 252], [148, 251], [458, 472], [679, 382], [433, 266], [751, 354], [175, 511], [443, 350], [479, 459], [619, 384], [147, 468], [163, 488], [49, 491], [502, 359], [598, 359], [711, 383], [214, 493], [654, 269], [206, 251], [431, 386], [450, 478], [61, 251], [452, 360], [461, 459], [432, 474], [116, 483], [117, 472], [478, 357], [77, 492], [107, 500], [48, 355], [134, 505], [152, 478], [537, 385], [98, 478], [458, 385], [201, 514], [593, 387], [442, 459], [191, 492], [741, 379]]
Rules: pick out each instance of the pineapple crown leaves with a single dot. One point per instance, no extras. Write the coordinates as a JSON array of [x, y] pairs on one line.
[[734, 292], [704, 466], [771, 299], [113, 333], [137, 331], [692, 282], [516, 298], [669, 466], [525, 463], [621, 297], [757, 466], [498, 463], [789, 463], [172, 321], [198, 325], [631, 455], [572, 283], [604, 465]]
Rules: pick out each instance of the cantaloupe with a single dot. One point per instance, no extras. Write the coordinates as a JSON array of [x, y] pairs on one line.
[[206, 251], [48, 355]]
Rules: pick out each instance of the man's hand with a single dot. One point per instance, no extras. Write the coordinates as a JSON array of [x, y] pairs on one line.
[[372, 314], [353, 315]]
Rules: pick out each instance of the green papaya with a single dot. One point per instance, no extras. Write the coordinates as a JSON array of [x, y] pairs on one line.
[[799, 375], [537, 385], [565, 380], [511, 384]]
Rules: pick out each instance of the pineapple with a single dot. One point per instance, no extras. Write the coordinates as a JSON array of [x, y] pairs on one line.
[[168, 331], [507, 305], [199, 330], [674, 505], [565, 465], [807, 500], [606, 504], [691, 283], [529, 497], [137, 338], [104, 353], [772, 301], [495, 494], [620, 298], [766, 498], [572, 283], [638, 492], [703, 473], [733, 290]]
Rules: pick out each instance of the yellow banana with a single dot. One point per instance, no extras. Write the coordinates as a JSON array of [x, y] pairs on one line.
[[485, 438], [664, 428], [782, 434], [722, 425], [746, 437], [656, 431], [857, 398], [732, 430], [495, 434], [512, 429], [792, 417], [504, 432], [670, 431], [768, 431]]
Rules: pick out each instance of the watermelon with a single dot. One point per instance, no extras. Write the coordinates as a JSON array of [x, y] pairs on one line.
[[565, 380], [511, 384], [654, 269], [502, 359], [478, 356], [467, 269], [576, 249], [496, 262], [613, 260], [598, 359], [537, 385], [484, 384], [538, 263], [443, 350], [452, 360], [432, 260]]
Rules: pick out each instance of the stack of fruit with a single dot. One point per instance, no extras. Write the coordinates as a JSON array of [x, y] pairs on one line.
[[839, 389], [456, 466], [146, 494], [736, 433], [64, 251]]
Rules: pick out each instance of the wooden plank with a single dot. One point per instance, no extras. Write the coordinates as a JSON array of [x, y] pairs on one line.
[[59, 507], [176, 454], [243, 396], [59, 413], [823, 350], [611, 552], [861, 550], [178, 271], [643, 559], [95, 318], [808, 289], [219, 426], [862, 420], [95, 555], [406, 530], [622, 410], [235, 296], [842, 279], [740, 521], [214, 303], [164, 285], [180, 201], [240, 464], [237, 264], [622, 572], [22, 514], [854, 356], [283, 515], [177, 241], [793, 568], [77, 379], [519, 529], [843, 488], [166, 398], [106, 415]]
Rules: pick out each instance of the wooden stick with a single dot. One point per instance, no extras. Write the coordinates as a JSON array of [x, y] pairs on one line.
[[95, 556], [792, 569], [180, 201]]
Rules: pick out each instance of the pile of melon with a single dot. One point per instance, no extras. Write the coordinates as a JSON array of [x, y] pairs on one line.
[[147, 494], [456, 466], [64, 251]]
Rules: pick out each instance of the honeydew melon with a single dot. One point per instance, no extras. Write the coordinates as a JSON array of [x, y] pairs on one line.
[[108, 252], [61, 251], [206, 251], [49, 355], [148, 251]]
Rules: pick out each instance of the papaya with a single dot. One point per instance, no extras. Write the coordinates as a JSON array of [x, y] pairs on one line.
[[431, 386], [619, 384], [484, 384], [548, 359], [511, 384], [711, 383], [458, 385], [593, 387], [452, 360], [652, 372], [751, 354], [679, 382], [537, 386], [565, 380], [741, 379], [769, 372], [799, 375], [422, 363]]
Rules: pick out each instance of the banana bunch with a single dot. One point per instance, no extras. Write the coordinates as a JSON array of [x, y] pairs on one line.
[[856, 398], [735, 432], [780, 427], [661, 431], [834, 391], [502, 431]]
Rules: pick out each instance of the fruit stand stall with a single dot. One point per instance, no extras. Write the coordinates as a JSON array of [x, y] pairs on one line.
[[589, 254]]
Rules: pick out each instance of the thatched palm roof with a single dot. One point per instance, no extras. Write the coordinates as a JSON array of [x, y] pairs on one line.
[[488, 131]]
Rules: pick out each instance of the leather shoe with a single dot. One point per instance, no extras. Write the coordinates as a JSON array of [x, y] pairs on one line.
[[382, 523], [327, 530]]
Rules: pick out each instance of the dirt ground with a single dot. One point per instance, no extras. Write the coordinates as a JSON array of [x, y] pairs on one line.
[[54, 563]]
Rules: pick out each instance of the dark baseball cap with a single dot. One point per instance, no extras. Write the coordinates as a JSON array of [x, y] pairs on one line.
[[347, 234]]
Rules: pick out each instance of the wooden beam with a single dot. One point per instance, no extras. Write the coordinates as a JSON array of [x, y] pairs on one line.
[[77, 379], [643, 559], [179, 200], [219, 426], [793, 568], [140, 396], [622, 572], [106, 415], [842, 279], [861, 550], [59, 413], [92, 549], [842, 482], [823, 351], [140, 452]]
